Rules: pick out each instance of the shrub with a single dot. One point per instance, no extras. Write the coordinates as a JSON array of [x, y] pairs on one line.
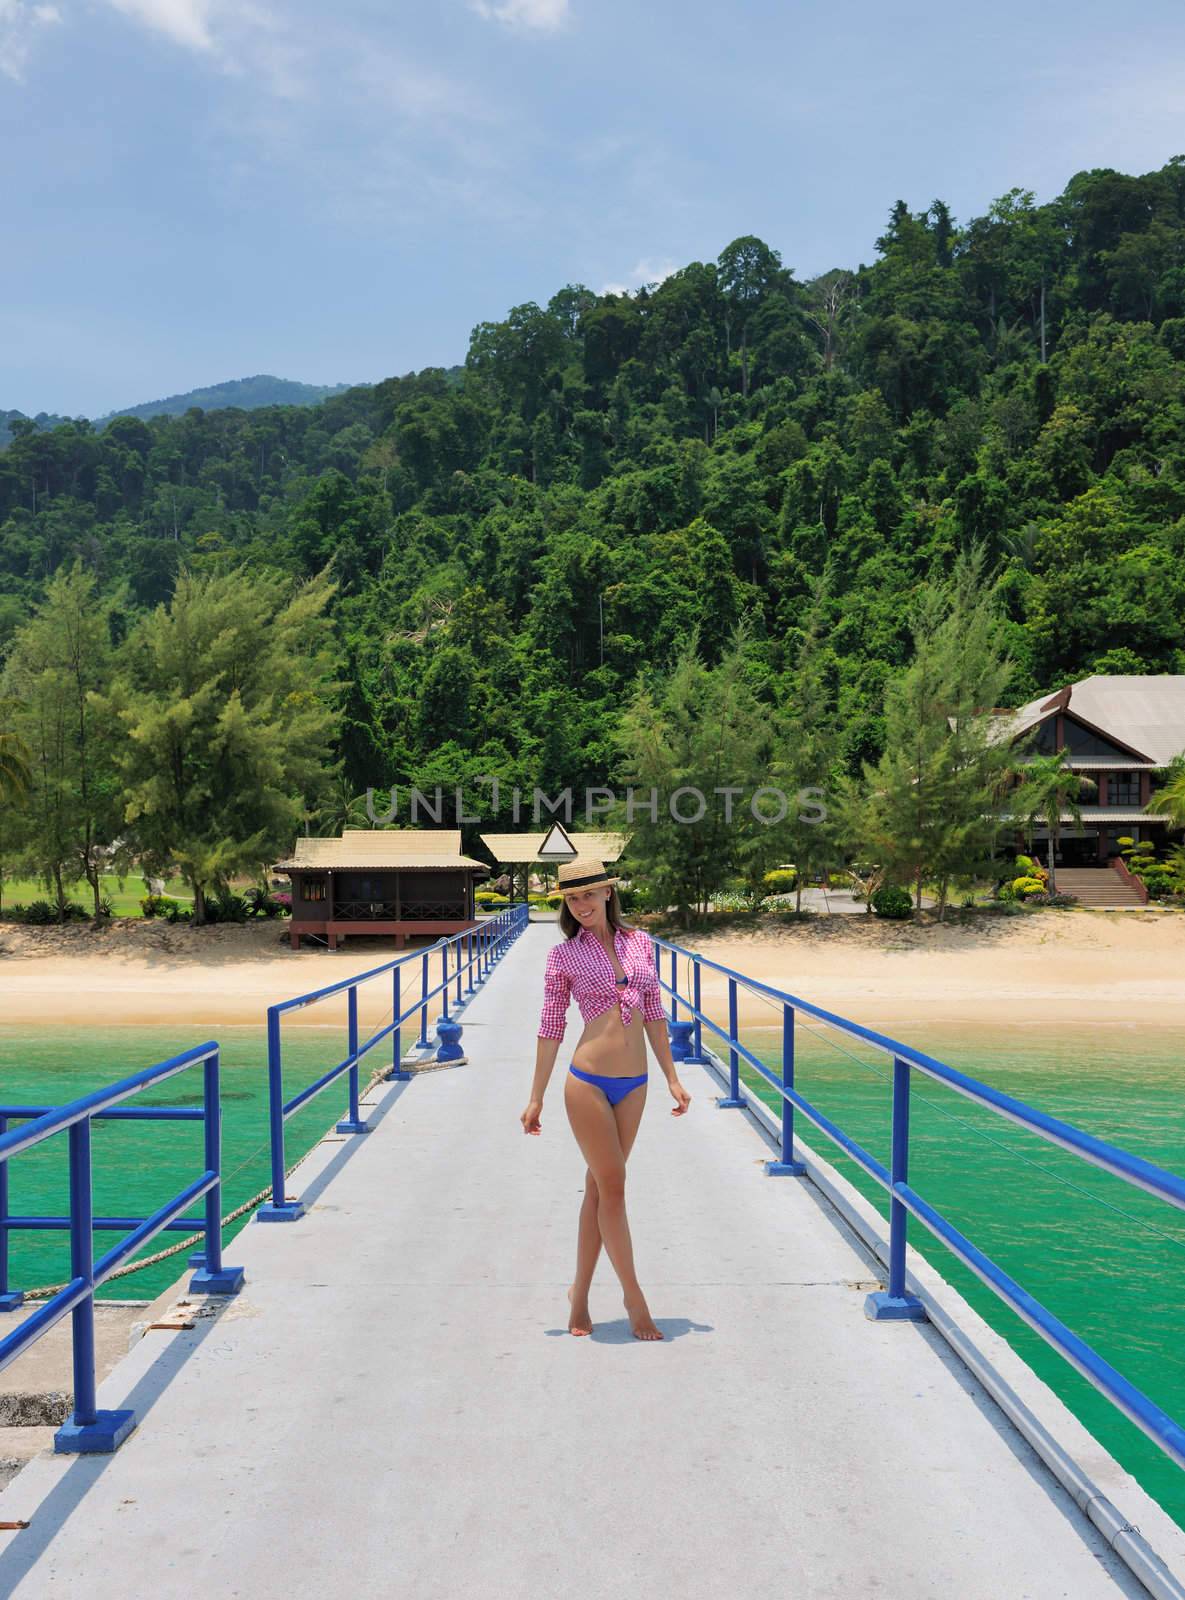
[[726, 901], [780, 879], [778, 902], [892, 902], [226, 907], [263, 903], [482, 895], [106, 906], [159, 905], [1025, 888], [282, 900], [40, 913]]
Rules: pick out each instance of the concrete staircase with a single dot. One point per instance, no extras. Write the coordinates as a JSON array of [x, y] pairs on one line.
[[1098, 886]]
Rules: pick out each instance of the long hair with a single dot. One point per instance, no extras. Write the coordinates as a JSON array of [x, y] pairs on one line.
[[613, 914]]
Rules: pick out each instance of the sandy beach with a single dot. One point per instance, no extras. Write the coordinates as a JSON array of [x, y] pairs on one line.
[[1075, 969]]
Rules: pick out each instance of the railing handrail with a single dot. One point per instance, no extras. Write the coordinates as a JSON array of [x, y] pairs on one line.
[[896, 1303], [1101, 1153], [90, 1430], [484, 938]]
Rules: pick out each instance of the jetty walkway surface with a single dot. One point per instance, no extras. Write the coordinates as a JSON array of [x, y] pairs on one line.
[[393, 1406]]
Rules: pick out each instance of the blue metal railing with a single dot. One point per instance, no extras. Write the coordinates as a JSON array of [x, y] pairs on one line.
[[896, 1303], [90, 1430], [469, 956]]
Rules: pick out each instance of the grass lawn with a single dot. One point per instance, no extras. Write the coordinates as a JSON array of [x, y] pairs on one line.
[[125, 902]]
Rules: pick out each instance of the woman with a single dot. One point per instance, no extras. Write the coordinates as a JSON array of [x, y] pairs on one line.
[[610, 969]]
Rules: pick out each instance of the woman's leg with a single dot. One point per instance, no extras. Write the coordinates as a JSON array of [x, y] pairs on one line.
[[628, 1115], [595, 1124]]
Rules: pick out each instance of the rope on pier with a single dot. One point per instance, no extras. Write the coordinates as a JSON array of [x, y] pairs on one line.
[[49, 1290]]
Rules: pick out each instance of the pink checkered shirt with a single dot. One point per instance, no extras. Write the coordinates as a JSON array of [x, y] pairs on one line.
[[580, 966]]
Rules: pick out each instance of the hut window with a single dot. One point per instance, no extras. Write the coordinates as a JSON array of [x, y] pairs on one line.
[[314, 888]]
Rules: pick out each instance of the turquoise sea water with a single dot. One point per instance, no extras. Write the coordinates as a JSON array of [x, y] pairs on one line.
[[138, 1166], [1106, 1258]]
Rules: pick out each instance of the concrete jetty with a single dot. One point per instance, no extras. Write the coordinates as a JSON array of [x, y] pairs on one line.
[[393, 1407]]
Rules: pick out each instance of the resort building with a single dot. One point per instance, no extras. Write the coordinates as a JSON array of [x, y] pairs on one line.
[[527, 854], [1120, 732], [396, 881]]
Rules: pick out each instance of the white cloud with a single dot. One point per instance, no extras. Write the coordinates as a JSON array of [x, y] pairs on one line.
[[20, 22], [648, 271], [186, 22], [542, 16]]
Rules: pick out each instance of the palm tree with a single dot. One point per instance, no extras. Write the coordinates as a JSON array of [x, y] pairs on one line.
[[16, 775], [1048, 789], [1171, 799]]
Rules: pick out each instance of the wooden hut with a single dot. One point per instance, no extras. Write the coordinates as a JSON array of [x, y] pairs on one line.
[[396, 881]]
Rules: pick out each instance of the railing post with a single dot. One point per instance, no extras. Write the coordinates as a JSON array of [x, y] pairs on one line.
[[9, 1298], [89, 1431], [444, 980], [786, 1166], [697, 1029], [280, 1208], [674, 986], [352, 1122], [212, 1277], [470, 962], [397, 1074], [733, 1099], [460, 945], [422, 1041], [894, 1305]]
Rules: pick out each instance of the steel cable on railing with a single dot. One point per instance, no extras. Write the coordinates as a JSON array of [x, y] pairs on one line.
[[883, 1076]]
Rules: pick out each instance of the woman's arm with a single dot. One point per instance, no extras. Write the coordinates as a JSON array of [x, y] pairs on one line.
[[546, 1051], [656, 1032], [557, 991], [660, 1043], [655, 1023]]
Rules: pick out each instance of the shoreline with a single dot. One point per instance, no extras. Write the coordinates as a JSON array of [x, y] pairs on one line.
[[1070, 971]]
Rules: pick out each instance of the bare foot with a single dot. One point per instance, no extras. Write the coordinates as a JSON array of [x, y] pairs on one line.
[[579, 1321], [641, 1322]]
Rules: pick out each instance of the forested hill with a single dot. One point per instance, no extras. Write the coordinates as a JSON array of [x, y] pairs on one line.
[[247, 393], [612, 471]]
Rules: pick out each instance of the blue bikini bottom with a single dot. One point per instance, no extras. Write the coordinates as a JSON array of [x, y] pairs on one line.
[[614, 1089]]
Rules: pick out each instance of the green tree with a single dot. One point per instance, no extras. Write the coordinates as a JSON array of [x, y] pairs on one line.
[[1049, 790], [933, 802], [694, 732], [227, 700], [1170, 798], [59, 662]]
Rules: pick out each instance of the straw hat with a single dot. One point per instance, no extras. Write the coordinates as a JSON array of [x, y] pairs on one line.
[[583, 873]]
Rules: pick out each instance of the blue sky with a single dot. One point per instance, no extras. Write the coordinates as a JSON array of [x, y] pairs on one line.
[[198, 190]]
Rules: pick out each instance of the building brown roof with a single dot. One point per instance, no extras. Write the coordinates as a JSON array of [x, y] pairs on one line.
[[409, 849]]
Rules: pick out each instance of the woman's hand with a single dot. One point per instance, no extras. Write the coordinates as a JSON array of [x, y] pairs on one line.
[[682, 1098], [530, 1117]]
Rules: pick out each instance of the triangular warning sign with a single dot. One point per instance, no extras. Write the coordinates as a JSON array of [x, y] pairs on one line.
[[557, 846]]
